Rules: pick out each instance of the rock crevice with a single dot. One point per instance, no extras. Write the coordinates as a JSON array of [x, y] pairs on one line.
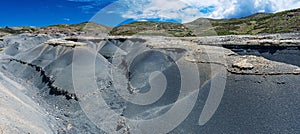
[[48, 81]]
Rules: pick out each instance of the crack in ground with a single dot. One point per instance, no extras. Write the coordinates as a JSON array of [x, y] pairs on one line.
[[47, 80]]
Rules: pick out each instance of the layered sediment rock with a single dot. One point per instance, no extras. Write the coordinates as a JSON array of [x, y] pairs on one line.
[[43, 65]]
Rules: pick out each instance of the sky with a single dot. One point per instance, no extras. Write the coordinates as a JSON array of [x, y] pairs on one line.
[[116, 12]]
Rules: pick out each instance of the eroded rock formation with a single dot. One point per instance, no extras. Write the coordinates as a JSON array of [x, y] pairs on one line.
[[43, 65]]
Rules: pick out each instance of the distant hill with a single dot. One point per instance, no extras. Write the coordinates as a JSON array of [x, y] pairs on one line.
[[16, 30], [86, 27], [282, 22], [153, 28], [260, 23]]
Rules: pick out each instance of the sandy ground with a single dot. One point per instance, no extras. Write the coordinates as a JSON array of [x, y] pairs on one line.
[[18, 112], [261, 94]]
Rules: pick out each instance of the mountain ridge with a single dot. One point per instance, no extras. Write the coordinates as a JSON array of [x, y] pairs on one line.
[[258, 23]]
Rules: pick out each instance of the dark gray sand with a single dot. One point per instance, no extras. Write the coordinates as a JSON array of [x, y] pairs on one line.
[[261, 95]]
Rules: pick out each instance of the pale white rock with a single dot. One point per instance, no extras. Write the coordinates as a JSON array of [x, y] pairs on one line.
[[65, 43], [243, 64]]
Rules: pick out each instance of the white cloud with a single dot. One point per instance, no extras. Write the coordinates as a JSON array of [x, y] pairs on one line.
[[66, 19], [163, 9], [239, 8], [188, 10]]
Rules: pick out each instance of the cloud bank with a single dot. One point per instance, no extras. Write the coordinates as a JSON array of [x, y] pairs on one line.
[[188, 10]]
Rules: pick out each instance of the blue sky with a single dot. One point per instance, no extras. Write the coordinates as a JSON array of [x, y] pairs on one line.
[[113, 12], [46, 12]]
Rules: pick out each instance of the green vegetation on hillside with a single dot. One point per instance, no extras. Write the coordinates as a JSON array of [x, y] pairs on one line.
[[152, 28], [89, 27], [282, 22], [16, 30]]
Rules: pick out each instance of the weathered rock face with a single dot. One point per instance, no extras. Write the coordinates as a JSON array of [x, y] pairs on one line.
[[22, 42], [261, 66], [123, 68], [46, 68]]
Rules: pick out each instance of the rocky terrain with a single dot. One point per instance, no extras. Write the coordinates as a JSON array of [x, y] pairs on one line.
[[40, 93], [220, 76]]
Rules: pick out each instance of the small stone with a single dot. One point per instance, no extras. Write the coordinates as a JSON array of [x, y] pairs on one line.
[[259, 81], [280, 82], [57, 118], [231, 54], [69, 126], [243, 64], [121, 124], [297, 70], [119, 127]]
